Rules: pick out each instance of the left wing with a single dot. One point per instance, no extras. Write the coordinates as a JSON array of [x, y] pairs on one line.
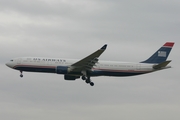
[[88, 62]]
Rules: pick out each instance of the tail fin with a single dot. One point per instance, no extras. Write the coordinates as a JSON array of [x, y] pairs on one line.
[[161, 55]]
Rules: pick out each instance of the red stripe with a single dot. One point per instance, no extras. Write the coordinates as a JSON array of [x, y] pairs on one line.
[[169, 44]]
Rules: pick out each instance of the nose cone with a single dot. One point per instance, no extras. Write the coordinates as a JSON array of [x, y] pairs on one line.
[[9, 64]]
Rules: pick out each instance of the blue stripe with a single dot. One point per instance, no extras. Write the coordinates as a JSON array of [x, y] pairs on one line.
[[36, 69], [108, 73]]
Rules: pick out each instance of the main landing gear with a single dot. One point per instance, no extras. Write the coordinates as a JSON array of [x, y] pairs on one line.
[[21, 75], [86, 77], [87, 80]]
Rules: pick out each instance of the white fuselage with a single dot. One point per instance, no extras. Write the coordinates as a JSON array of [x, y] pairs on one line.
[[106, 68]]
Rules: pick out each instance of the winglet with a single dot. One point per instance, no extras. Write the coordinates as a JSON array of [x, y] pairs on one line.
[[104, 47]]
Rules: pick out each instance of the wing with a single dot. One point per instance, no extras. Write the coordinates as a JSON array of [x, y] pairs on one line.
[[88, 62]]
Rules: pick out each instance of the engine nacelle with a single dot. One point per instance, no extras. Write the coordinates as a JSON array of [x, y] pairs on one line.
[[62, 70], [70, 77]]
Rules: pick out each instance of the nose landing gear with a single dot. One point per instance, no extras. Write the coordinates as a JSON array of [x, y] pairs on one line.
[[21, 75]]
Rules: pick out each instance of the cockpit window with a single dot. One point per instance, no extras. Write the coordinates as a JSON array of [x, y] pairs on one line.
[[12, 60]]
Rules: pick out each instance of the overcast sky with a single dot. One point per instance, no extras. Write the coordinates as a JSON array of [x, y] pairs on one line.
[[133, 30]]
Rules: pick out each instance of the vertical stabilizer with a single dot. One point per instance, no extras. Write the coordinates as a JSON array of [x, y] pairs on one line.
[[161, 55]]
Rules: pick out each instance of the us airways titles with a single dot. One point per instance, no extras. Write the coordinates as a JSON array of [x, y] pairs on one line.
[[53, 60]]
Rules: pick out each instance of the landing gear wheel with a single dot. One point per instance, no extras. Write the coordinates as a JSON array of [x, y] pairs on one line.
[[21, 75], [83, 77], [87, 81], [91, 83]]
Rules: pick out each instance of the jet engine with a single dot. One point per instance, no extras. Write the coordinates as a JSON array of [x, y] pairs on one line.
[[62, 70], [70, 77]]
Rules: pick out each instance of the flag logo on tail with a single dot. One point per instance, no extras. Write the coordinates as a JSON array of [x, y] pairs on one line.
[[162, 53]]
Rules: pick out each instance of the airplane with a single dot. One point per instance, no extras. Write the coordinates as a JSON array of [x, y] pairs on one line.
[[91, 66]]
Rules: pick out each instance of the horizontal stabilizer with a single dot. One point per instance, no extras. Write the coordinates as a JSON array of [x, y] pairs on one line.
[[161, 65]]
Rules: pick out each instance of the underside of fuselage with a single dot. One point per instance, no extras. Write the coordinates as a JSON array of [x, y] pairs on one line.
[[93, 73]]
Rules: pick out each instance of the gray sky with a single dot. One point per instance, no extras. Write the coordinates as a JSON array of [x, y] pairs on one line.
[[133, 30]]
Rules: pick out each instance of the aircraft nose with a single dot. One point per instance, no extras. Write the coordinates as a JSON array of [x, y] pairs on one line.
[[9, 64]]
